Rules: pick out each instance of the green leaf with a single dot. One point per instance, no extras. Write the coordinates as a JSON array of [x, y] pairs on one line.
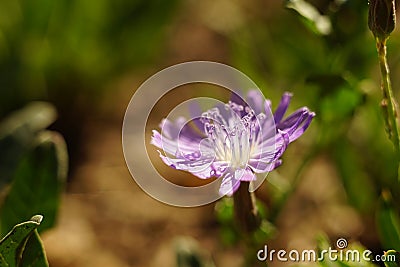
[[17, 134], [392, 258], [388, 223], [38, 182], [318, 23], [34, 254], [22, 247]]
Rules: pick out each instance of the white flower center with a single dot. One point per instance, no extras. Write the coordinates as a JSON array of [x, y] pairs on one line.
[[233, 138]]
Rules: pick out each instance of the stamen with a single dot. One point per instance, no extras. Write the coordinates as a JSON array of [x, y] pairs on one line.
[[233, 106], [233, 141]]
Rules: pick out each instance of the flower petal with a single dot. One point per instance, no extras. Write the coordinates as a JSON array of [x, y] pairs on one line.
[[296, 123], [265, 160], [170, 129], [303, 127], [229, 184], [262, 167], [216, 169], [272, 149], [282, 107], [200, 166], [195, 113], [255, 101], [245, 175], [173, 147]]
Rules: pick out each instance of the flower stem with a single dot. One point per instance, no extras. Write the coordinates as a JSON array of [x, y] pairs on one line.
[[246, 213], [388, 103]]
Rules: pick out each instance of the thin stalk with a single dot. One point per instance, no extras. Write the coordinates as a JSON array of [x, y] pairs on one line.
[[388, 104], [246, 213]]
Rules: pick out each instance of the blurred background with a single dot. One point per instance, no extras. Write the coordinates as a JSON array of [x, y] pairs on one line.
[[87, 58]]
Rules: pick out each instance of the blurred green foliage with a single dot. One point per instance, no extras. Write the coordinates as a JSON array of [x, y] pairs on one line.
[[327, 71], [351, 260], [33, 171], [18, 133], [63, 50], [188, 253], [388, 222]]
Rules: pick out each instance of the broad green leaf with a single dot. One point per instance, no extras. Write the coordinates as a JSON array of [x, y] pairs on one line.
[[34, 254], [21, 247], [38, 182], [17, 134], [388, 223]]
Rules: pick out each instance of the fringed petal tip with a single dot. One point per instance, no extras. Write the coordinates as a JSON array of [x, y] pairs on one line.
[[287, 94], [296, 123]]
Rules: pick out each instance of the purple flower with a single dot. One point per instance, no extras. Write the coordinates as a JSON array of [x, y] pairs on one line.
[[232, 141]]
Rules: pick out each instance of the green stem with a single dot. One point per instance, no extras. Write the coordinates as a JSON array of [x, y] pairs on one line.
[[388, 104]]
